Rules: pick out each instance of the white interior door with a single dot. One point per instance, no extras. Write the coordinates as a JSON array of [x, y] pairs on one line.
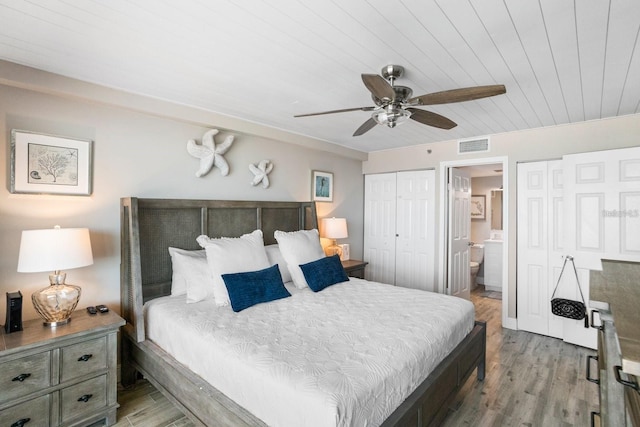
[[380, 227], [415, 230], [459, 233], [602, 218]]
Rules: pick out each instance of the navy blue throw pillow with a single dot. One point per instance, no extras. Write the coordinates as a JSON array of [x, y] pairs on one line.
[[253, 287], [324, 272]]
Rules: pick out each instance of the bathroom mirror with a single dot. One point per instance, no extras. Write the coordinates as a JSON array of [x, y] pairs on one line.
[[496, 209]]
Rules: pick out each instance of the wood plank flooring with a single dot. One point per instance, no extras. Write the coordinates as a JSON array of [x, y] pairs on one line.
[[531, 380]]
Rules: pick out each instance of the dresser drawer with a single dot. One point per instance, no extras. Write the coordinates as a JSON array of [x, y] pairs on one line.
[[85, 397], [22, 376], [84, 358], [34, 413]]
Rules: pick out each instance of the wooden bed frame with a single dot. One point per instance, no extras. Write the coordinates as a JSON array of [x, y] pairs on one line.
[[150, 226]]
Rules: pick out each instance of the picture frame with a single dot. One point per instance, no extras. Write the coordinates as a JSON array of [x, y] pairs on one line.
[[321, 186], [478, 207], [50, 164]]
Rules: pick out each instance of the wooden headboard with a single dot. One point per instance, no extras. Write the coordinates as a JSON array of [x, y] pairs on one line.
[[148, 227]]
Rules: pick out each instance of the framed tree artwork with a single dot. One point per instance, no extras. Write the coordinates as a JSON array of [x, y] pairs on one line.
[[48, 164], [478, 207], [321, 186]]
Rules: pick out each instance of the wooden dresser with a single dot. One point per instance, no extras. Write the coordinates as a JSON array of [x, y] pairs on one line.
[[615, 292], [63, 376]]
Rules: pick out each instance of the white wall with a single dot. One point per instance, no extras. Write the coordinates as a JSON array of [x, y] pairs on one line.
[[144, 154], [534, 144]]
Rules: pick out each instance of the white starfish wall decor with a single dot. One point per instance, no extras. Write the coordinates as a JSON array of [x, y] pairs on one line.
[[261, 173], [209, 154]]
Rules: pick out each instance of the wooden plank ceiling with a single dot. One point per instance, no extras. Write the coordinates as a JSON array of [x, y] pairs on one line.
[[561, 61]]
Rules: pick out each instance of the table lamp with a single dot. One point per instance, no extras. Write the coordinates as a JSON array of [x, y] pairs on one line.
[[334, 228], [55, 249]]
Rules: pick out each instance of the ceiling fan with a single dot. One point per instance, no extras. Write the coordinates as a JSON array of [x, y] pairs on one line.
[[394, 104]]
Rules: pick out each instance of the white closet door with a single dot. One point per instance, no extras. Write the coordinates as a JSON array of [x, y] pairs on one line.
[[380, 227], [539, 247], [602, 218], [556, 239], [415, 230], [606, 204]]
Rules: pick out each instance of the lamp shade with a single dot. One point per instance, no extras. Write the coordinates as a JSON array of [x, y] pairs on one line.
[[335, 228], [54, 249]]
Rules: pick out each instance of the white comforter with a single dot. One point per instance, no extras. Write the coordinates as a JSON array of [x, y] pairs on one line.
[[346, 356]]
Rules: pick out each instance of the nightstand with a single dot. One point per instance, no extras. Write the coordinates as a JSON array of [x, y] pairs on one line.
[[60, 376], [354, 267]]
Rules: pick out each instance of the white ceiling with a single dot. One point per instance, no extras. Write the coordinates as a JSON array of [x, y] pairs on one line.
[[561, 61]]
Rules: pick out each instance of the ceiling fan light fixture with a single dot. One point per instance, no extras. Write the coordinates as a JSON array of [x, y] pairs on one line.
[[391, 117], [394, 104]]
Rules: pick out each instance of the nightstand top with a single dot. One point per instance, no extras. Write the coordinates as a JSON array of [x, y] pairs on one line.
[[34, 333], [351, 263]]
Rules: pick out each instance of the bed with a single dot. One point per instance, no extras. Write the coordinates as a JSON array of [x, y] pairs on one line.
[[151, 226]]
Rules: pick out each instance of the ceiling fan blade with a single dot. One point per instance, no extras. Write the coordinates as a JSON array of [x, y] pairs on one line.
[[337, 111], [431, 119], [365, 127], [378, 86], [458, 95]]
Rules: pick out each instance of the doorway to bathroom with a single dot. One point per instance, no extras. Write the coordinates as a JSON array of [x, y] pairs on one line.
[[485, 224]]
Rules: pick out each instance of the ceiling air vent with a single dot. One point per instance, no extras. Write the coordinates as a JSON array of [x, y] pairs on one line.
[[473, 146]]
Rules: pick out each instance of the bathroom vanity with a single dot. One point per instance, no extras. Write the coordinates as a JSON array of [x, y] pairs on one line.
[[493, 265]]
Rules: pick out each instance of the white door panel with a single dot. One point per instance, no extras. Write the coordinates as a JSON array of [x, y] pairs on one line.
[[458, 278], [415, 242], [556, 240], [601, 191], [379, 230], [532, 249], [606, 185], [540, 257]]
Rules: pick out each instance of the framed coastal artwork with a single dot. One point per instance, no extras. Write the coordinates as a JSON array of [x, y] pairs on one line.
[[478, 207], [321, 186], [48, 164]]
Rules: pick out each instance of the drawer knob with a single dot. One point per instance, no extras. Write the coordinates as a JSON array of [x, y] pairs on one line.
[[85, 357], [21, 422], [21, 377], [85, 398]]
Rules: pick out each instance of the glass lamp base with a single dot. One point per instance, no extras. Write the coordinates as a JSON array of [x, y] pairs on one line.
[[333, 250], [55, 303]]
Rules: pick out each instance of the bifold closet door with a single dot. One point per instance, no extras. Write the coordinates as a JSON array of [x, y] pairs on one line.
[[399, 228], [586, 205], [540, 244], [602, 206], [380, 227], [415, 230]]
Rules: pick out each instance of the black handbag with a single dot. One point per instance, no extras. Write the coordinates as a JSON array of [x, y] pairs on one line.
[[566, 307]]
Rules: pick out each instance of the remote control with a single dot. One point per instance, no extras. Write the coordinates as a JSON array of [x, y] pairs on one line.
[[102, 308], [92, 310]]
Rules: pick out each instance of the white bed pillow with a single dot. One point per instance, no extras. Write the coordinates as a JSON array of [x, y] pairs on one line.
[[299, 247], [275, 257], [187, 266], [233, 255]]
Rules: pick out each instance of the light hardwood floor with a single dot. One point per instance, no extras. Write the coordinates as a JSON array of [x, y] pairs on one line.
[[531, 380]]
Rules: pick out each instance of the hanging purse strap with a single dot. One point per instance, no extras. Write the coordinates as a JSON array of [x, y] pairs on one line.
[[569, 258]]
